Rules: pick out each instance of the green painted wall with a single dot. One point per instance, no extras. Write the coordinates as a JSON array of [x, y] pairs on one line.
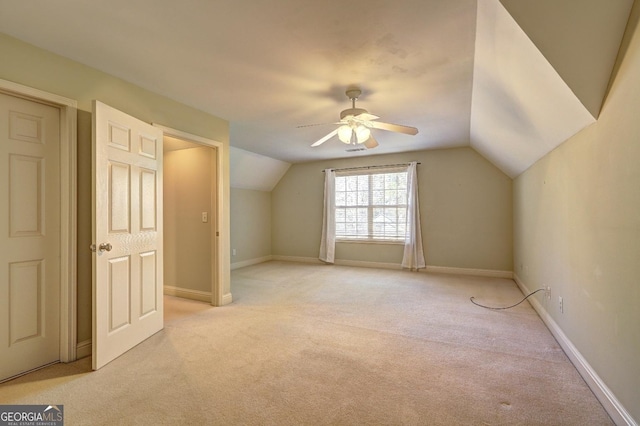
[[465, 205], [577, 230], [250, 224]]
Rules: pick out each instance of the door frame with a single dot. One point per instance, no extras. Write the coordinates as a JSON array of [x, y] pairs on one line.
[[220, 264], [68, 208]]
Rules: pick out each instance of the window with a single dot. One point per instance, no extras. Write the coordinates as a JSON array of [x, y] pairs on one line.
[[371, 205]]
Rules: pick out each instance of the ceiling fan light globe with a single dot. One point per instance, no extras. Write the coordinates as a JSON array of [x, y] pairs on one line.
[[344, 134], [362, 133]]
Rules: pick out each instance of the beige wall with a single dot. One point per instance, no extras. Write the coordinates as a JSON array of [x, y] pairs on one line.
[[30, 66], [465, 205], [187, 240], [250, 224], [577, 229]]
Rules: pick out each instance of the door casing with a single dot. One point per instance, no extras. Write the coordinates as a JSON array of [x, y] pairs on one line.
[[68, 208], [219, 231]]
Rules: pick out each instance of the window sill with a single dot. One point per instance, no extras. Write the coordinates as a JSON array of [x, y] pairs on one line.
[[369, 241]]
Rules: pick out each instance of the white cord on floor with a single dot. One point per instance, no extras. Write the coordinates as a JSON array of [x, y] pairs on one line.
[[506, 307]]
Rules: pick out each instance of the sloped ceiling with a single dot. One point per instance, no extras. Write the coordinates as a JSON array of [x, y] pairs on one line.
[[521, 107], [254, 171], [248, 169], [580, 39], [464, 72]]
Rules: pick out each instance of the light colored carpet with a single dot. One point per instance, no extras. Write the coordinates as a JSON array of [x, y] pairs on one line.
[[307, 344], [176, 308]]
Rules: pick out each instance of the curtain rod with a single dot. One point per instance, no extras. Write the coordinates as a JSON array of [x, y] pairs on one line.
[[371, 167]]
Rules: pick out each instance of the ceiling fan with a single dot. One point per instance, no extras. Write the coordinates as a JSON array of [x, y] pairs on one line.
[[356, 124]]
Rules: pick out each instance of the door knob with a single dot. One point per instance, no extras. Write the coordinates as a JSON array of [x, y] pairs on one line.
[[102, 247]]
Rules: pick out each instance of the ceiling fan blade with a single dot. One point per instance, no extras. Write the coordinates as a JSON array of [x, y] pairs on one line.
[[394, 128], [312, 125], [370, 143], [326, 138]]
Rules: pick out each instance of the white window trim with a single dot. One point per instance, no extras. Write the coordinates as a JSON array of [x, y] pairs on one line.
[[367, 172], [369, 241]]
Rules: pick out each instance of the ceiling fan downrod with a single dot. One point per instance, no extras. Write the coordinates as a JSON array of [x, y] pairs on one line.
[[352, 94]]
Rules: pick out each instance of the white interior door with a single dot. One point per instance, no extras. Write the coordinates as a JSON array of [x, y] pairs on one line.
[[127, 233], [29, 235]]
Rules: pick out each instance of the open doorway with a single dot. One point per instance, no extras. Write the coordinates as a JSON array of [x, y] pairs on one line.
[[190, 199]]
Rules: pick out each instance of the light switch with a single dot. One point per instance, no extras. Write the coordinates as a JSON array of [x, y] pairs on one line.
[[205, 217]]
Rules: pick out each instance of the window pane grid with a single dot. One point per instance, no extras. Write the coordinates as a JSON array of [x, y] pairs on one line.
[[371, 206]]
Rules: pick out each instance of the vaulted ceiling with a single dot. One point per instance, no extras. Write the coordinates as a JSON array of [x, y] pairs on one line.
[[511, 78]]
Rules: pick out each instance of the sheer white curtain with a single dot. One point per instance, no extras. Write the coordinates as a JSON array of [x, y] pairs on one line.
[[328, 241], [413, 253]]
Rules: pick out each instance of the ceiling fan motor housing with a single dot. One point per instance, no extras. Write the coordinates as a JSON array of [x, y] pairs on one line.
[[352, 111]]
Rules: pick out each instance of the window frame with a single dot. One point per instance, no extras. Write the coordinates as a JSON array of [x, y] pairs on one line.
[[370, 237]]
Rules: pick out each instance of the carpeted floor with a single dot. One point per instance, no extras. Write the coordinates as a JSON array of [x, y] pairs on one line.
[[307, 344]]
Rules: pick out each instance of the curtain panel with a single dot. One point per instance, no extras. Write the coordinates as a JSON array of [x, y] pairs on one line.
[[413, 257], [328, 239]]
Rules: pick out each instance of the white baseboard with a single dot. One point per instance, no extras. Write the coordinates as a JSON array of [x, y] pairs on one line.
[[226, 299], [383, 265], [365, 264], [297, 259], [341, 262], [250, 262], [469, 271], [608, 400], [203, 296], [83, 349]]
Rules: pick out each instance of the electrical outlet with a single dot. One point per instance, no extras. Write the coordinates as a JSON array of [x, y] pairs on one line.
[[561, 304], [233, 252], [548, 293]]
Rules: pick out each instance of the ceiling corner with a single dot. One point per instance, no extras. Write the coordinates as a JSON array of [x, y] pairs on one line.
[[579, 38], [249, 170], [521, 107]]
